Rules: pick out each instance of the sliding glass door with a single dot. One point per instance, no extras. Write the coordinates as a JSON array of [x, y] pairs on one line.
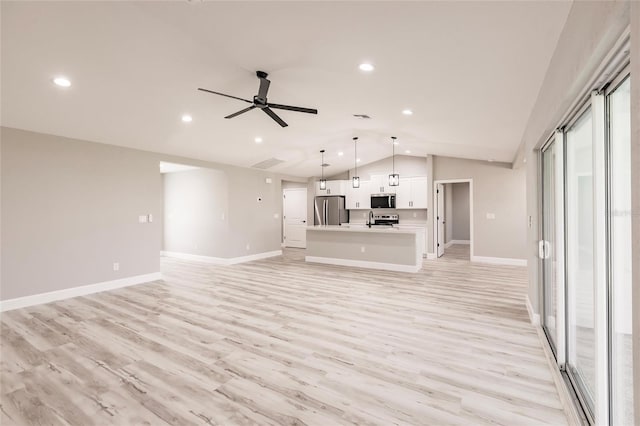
[[619, 114], [581, 342], [585, 249], [551, 189]]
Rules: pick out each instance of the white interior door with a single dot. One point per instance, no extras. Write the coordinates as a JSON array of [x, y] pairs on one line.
[[295, 217], [440, 219]]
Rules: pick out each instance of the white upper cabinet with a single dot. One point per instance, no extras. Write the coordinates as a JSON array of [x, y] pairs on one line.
[[334, 187], [359, 198], [380, 185], [412, 193]]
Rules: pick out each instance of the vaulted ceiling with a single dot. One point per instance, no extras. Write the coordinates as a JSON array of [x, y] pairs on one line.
[[469, 71]]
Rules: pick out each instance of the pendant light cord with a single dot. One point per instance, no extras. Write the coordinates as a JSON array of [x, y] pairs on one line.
[[393, 155], [355, 154]]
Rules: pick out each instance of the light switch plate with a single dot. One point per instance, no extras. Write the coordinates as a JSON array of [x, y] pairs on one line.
[[491, 216], [142, 218]]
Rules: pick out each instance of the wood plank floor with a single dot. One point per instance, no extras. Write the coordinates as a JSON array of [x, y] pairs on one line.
[[279, 341]]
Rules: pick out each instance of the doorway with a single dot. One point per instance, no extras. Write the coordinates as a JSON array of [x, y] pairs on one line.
[[453, 221], [294, 217]]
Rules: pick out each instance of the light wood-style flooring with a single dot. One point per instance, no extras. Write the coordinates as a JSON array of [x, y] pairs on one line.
[[458, 251], [280, 341]]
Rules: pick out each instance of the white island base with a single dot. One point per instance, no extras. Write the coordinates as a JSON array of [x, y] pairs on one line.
[[391, 249]]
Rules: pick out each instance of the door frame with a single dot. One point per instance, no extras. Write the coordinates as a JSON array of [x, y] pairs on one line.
[[435, 209], [284, 209]]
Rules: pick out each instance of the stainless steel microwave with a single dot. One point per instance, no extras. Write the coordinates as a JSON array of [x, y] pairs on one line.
[[383, 201]]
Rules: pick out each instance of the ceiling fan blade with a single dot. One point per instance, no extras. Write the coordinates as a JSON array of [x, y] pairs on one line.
[[294, 108], [264, 88], [275, 117], [241, 112], [222, 94]]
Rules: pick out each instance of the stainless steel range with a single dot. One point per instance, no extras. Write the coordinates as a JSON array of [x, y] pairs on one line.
[[385, 219]]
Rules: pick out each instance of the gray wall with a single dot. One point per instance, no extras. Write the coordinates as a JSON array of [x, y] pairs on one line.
[[448, 212], [406, 165], [70, 209], [196, 207], [460, 211], [498, 189]]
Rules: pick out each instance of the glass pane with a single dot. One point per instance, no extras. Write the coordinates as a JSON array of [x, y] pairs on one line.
[[548, 235], [579, 246], [620, 238]]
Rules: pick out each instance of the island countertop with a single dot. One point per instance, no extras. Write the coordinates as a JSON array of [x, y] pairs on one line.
[[361, 228]]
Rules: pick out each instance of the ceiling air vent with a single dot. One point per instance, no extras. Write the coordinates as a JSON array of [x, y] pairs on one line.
[[362, 116], [267, 164]]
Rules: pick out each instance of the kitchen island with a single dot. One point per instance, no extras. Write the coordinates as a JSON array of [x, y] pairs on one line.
[[388, 248]]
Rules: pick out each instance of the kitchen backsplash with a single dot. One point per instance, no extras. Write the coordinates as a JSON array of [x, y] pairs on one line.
[[405, 216]]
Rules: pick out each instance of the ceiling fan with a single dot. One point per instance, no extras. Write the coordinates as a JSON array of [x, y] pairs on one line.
[[260, 101]]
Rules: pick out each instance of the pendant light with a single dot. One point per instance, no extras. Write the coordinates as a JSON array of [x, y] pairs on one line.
[[394, 178], [355, 181], [323, 181]]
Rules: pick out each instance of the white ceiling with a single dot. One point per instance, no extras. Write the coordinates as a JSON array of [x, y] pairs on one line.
[[470, 71]]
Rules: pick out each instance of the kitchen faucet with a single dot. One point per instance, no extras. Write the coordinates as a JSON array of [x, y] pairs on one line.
[[369, 223]]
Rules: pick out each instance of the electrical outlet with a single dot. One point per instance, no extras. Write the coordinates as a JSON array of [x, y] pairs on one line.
[[361, 249], [491, 216], [222, 216], [248, 246], [116, 266], [276, 215], [415, 214]]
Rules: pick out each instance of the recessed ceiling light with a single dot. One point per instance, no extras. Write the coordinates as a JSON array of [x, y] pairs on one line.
[[366, 67], [258, 139], [341, 153], [407, 152], [357, 160], [62, 81], [187, 118], [407, 112]]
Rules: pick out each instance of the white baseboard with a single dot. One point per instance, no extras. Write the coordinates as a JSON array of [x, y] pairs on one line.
[[533, 317], [257, 256], [221, 260], [431, 256], [499, 260], [449, 244], [67, 293], [363, 264]]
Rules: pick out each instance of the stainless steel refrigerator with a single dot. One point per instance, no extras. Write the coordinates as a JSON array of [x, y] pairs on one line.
[[330, 210]]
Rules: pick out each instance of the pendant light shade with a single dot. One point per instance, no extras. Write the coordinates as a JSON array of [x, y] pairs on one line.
[[323, 181], [355, 180], [394, 178]]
